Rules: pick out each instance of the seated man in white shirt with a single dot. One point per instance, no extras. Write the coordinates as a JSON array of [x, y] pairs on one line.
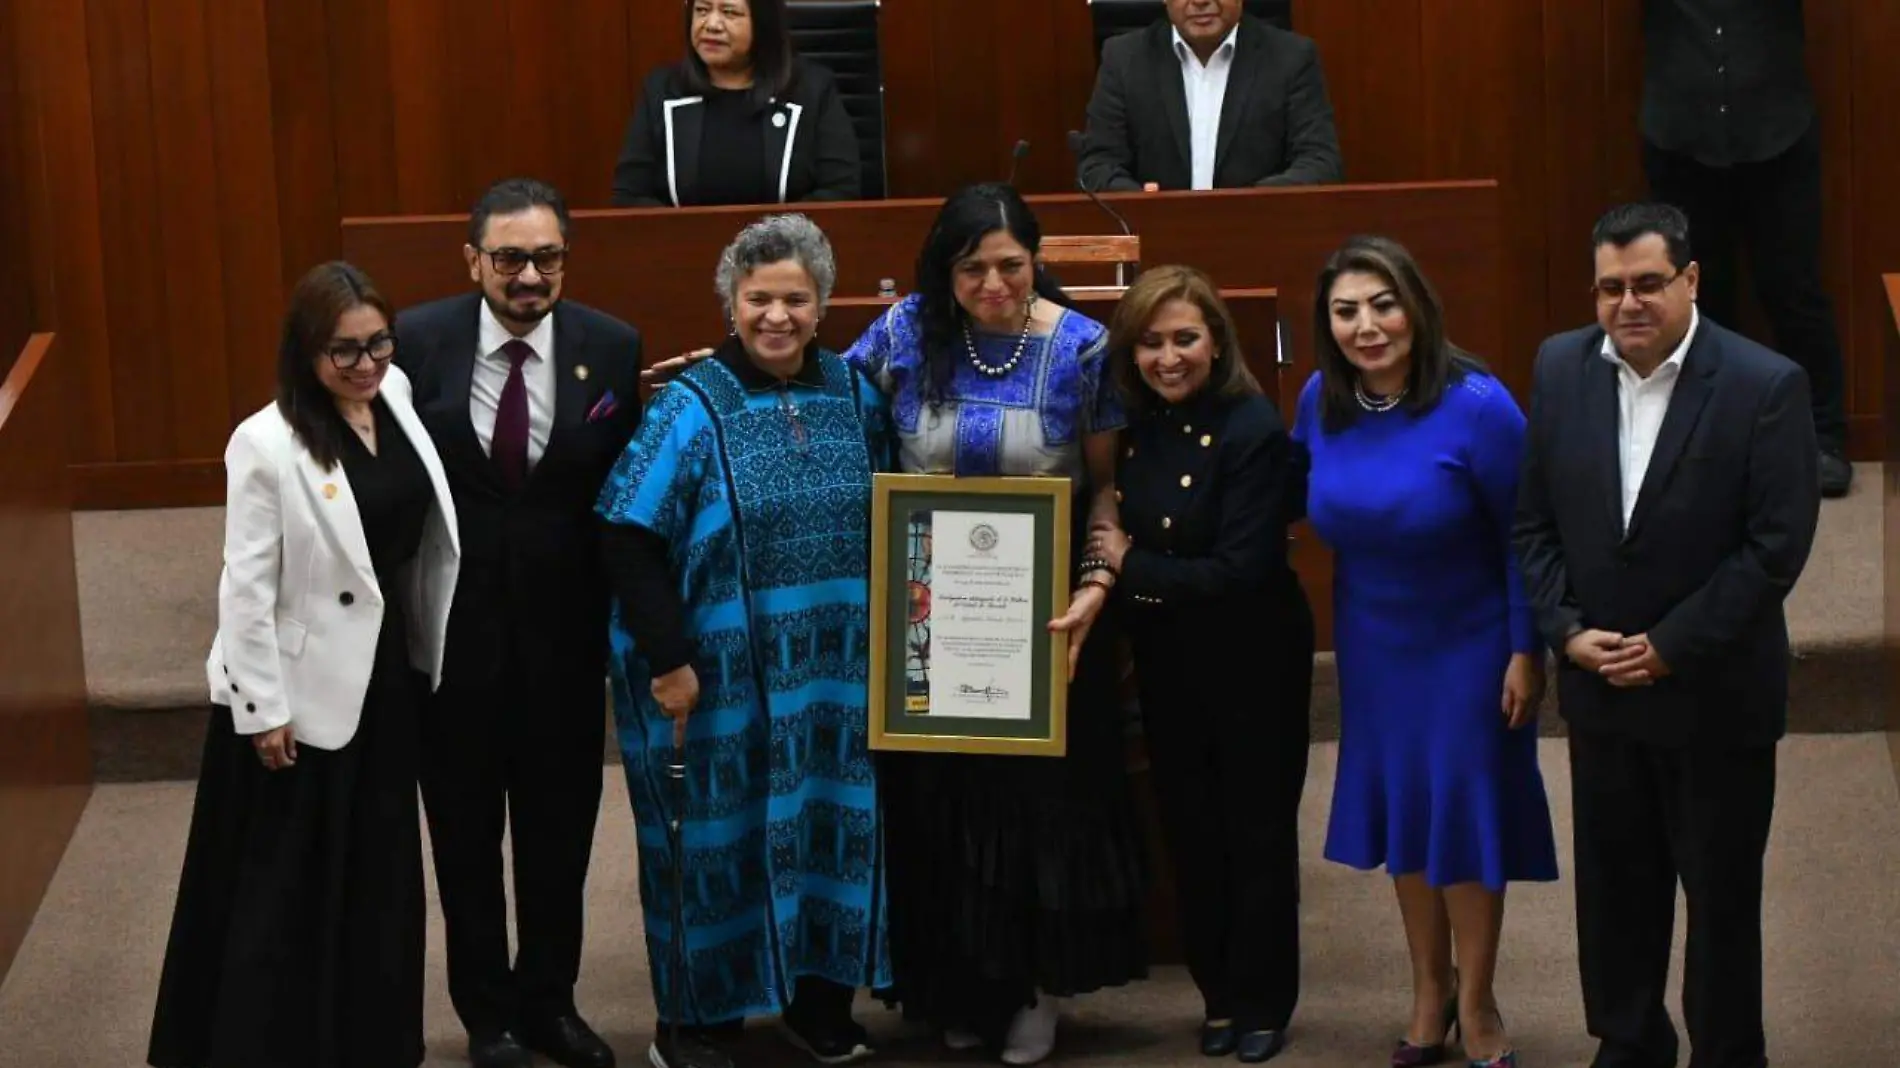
[[1209, 99]]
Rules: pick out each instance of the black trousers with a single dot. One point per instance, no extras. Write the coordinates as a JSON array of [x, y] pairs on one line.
[[1646, 817], [526, 754], [1772, 211], [1229, 766]]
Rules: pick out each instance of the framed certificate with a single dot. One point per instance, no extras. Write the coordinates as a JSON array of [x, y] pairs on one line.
[[966, 574]]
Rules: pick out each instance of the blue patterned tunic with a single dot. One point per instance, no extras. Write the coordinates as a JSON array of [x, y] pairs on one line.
[[764, 496]]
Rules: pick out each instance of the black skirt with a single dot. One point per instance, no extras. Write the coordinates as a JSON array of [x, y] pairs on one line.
[[1011, 875], [298, 936]]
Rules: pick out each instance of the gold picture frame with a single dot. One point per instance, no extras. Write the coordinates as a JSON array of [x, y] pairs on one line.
[[904, 517]]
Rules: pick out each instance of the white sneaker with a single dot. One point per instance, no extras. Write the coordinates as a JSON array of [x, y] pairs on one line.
[[958, 1040], [1032, 1034]]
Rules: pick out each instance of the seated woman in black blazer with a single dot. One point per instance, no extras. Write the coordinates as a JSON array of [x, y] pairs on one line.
[[742, 120], [1222, 638]]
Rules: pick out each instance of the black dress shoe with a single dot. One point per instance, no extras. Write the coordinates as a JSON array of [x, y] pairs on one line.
[[569, 1042], [1218, 1040], [1837, 475], [688, 1049], [1258, 1046], [500, 1050]]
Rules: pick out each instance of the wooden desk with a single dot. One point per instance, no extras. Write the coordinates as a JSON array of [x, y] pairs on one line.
[[654, 267], [1890, 504], [45, 753]]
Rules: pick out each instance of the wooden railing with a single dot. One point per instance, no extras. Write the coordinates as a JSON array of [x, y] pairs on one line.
[[45, 755], [1890, 518]]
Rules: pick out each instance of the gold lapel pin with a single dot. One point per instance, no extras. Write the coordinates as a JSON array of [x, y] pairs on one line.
[[580, 372], [329, 491]]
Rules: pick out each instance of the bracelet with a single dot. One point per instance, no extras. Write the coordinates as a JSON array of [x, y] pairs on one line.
[[1097, 583], [1096, 563]]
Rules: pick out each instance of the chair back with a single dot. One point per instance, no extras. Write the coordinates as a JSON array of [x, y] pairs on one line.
[[842, 36]]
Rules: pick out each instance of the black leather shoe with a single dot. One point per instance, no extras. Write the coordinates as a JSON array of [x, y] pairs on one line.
[[569, 1042], [1218, 1040], [1837, 475], [497, 1051], [686, 1050], [1258, 1046]]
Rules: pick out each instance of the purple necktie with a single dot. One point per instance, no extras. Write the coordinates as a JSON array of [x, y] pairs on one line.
[[509, 449]]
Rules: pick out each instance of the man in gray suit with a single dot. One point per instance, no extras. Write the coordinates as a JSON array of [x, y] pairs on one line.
[[1209, 99]]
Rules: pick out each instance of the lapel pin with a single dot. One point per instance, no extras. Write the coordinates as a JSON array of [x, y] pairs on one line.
[[329, 491], [778, 119], [580, 372]]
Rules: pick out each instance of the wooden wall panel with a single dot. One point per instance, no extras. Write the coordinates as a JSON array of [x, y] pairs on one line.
[[45, 754], [16, 270], [188, 159]]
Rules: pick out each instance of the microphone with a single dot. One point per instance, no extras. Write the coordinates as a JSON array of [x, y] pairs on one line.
[[1015, 158], [1075, 146]]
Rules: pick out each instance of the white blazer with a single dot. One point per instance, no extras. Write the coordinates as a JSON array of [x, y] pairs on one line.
[[299, 608]]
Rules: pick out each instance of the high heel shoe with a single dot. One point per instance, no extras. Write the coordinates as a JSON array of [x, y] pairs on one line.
[[1507, 1059], [1408, 1055]]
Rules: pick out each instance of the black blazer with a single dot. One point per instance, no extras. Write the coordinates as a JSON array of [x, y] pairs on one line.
[[1718, 536], [1276, 123], [1207, 492], [811, 147], [532, 590]]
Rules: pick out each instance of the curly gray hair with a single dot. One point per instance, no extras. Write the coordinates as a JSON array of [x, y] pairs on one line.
[[776, 239]]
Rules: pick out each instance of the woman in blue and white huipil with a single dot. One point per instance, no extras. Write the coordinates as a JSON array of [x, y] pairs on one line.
[[738, 524]]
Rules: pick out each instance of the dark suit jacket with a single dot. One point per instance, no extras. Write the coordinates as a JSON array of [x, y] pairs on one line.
[[1719, 534], [1276, 123], [532, 594], [811, 147]]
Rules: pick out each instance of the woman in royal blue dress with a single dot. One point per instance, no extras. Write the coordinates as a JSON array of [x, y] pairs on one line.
[[1415, 451]]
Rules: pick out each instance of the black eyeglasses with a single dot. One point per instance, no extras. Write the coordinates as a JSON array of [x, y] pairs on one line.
[[346, 355], [512, 261], [1646, 287]]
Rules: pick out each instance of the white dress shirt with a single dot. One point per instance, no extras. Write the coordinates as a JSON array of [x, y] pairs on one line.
[[1206, 85], [491, 374], [1641, 404]]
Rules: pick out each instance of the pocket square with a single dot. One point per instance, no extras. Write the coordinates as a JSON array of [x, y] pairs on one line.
[[603, 407]]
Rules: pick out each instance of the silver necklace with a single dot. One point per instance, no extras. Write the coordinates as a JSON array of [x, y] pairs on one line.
[[1383, 404], [1022, 342]]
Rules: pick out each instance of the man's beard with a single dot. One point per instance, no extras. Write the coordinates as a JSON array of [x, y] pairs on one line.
[[517, 291]]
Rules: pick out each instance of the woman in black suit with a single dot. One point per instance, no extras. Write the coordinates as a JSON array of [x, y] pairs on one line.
[[1223, 644], [742, 120]]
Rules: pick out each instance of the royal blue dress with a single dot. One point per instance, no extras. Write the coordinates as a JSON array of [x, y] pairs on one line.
[[1428, 607]]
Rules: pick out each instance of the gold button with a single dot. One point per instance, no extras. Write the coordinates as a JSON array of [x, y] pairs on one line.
[[1206, 440], [1186, 481], [1130, 452], [1187, 428], [1118, 496], [1166, 522]]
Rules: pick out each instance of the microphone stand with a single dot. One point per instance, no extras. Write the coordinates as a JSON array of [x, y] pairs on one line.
[[1076, 145]]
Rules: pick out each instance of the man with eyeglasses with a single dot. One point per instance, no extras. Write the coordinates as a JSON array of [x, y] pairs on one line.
[[1667, 506], [530, 400]]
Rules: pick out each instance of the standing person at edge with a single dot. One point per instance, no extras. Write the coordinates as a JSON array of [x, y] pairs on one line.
[[530, 400], [1668, 505]]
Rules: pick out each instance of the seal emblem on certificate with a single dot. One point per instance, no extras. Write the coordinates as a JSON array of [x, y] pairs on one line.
[[966, 573]]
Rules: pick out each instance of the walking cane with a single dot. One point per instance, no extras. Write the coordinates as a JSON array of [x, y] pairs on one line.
[[676, 803]]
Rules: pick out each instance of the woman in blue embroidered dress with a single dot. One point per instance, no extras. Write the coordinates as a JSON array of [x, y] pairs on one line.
[[738, 521], [1015, 881]]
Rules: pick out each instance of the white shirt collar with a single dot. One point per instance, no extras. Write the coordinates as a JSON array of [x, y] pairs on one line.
[[1674, 362], [494, 335], [1225, 51]]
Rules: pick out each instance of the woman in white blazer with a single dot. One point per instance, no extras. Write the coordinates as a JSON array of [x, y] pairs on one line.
[[297, 937]]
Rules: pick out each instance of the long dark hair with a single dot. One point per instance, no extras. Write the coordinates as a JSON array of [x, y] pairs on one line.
[[322, 297], [970, 215], [1436, 362], [1228, 377], [774, 57]]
